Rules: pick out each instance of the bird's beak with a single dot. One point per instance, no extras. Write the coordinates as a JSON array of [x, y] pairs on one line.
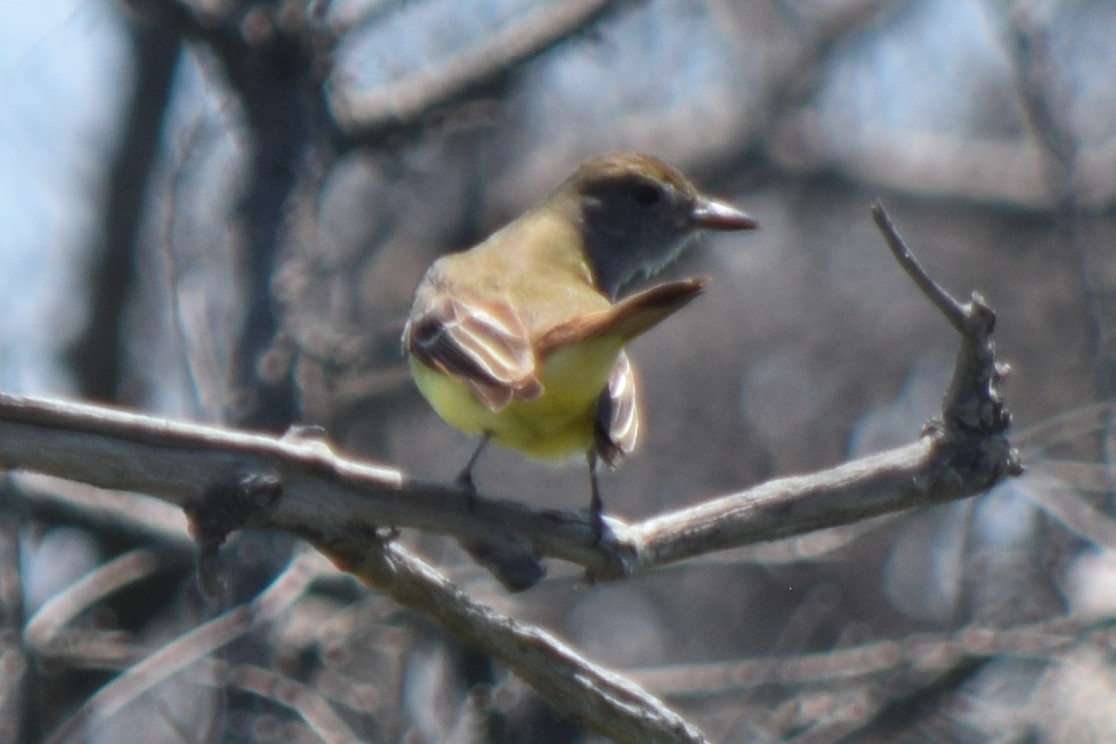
[[711, 214]]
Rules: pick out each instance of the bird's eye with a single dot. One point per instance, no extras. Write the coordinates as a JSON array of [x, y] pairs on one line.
[[645, 194]]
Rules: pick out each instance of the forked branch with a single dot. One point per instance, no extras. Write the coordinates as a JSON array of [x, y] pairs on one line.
[[227, 480]]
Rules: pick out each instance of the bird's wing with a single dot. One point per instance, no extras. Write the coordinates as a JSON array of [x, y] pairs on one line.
[[616, 426], [480, 341], [626, 319]]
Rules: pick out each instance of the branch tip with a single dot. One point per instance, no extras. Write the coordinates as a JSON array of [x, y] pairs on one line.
[[954, 312]]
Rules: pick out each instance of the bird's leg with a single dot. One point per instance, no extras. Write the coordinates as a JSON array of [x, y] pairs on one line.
[[596, 506], [465, 477]]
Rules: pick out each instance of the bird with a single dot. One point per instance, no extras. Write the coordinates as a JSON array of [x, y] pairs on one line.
[[519, 340]]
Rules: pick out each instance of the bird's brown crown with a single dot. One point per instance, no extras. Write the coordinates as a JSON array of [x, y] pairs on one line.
[[627, 167]]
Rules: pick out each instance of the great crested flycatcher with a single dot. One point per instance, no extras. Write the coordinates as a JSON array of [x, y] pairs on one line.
[[520, 339]]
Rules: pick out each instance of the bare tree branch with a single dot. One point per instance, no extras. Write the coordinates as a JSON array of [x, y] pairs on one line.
[[415, 96], [15, 685], [301, 485], [42, 629], [1044, 93], [919, 652], [227, 480], [177, 655], [97, 356], [608, 702]]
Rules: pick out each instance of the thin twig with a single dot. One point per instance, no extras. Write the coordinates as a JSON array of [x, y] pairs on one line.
[[309, 703], [94, 586], [918, 652], [188, 648], [15, 681], [949, 307]]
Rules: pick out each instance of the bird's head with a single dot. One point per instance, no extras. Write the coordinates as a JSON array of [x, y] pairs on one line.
[[637, 213]]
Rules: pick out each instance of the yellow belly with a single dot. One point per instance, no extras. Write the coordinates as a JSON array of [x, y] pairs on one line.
[[557, 425]]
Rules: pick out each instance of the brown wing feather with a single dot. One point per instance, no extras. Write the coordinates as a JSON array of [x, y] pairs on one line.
[[481, 342]]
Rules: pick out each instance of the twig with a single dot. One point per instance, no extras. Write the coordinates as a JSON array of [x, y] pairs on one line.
[[310, 705], [1064, 503], [44, 626], [116, 515], [97, 357], [919, 652], [15, 681], [408, 101], [946, 305], [1065, 427], [612, 705], [188, 648]]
